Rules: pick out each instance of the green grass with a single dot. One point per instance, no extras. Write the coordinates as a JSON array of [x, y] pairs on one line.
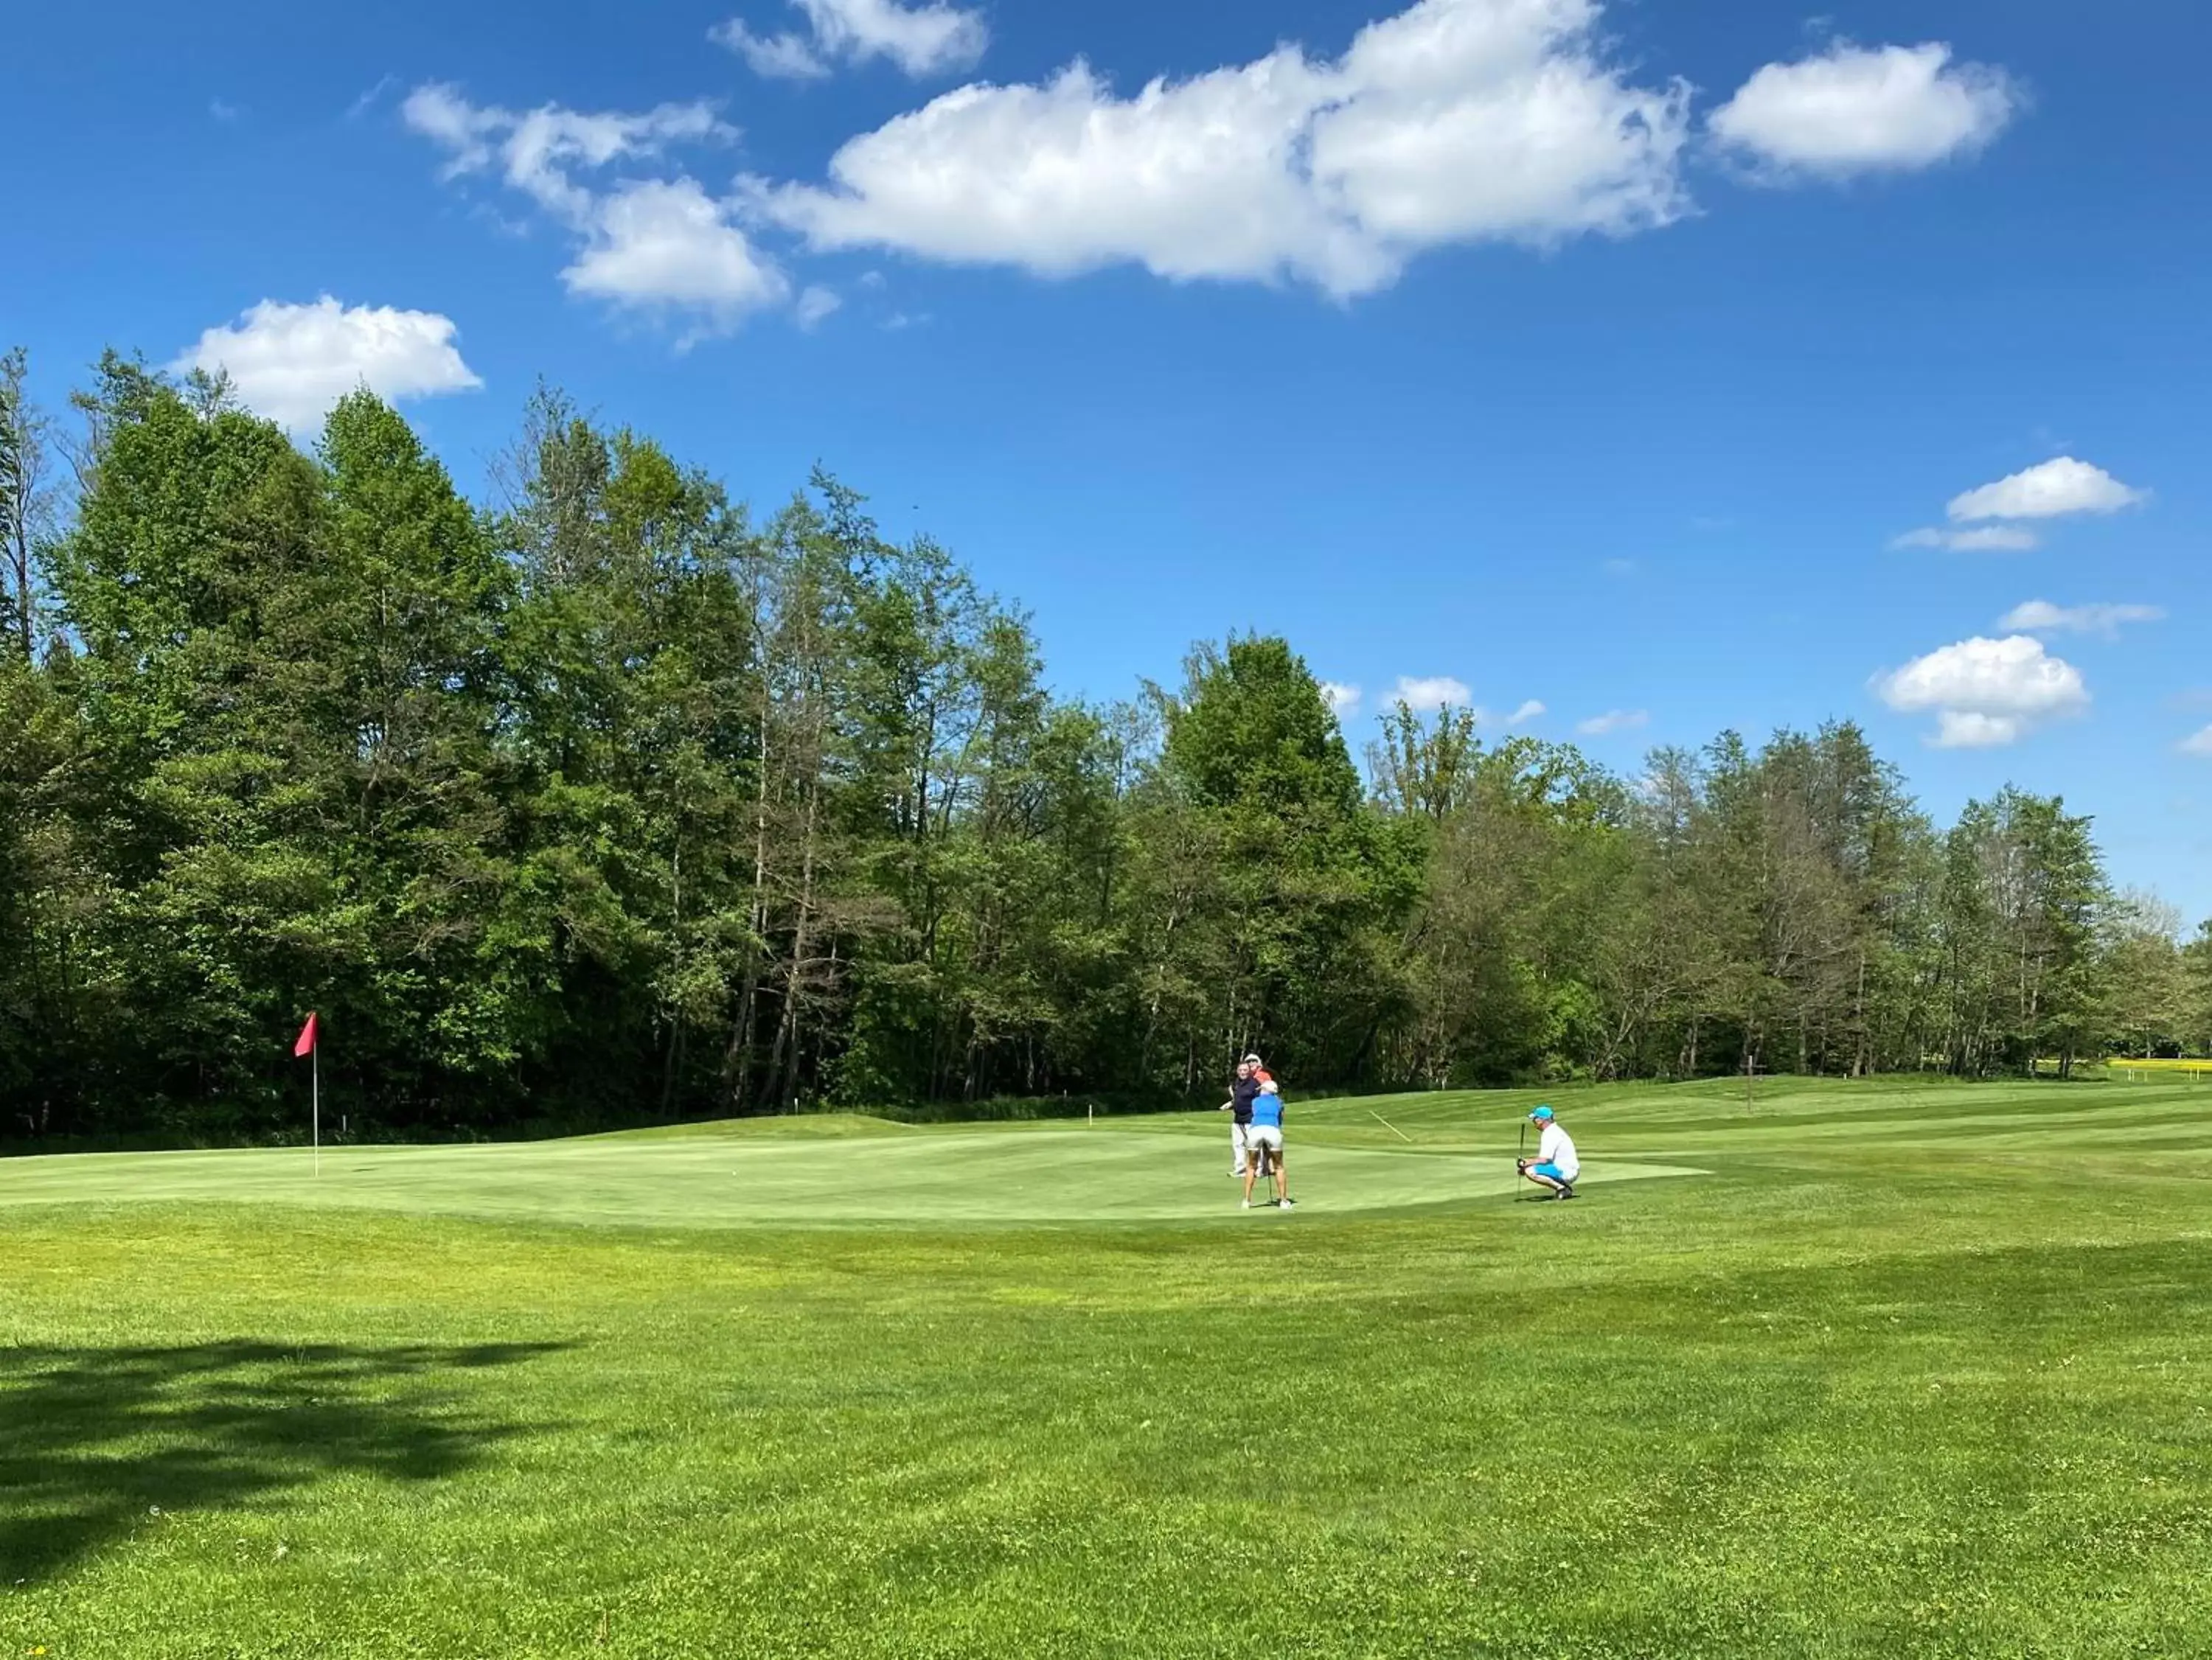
[[1867, 1370]]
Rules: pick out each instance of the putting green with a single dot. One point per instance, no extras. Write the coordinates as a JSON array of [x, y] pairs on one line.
[[797, 1173]]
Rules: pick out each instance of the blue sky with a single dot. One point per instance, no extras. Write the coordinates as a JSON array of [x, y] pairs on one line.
[[1603, 356]]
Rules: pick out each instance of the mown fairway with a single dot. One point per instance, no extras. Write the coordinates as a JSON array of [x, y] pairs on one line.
[[1862, 1370]]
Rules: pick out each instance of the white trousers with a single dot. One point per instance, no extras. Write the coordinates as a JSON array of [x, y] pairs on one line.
[[1236, 1145]]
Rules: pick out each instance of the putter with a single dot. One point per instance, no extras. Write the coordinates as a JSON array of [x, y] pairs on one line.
[[1520, 1152]]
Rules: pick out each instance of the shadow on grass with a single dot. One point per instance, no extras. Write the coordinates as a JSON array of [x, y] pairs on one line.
[[95, 1442]]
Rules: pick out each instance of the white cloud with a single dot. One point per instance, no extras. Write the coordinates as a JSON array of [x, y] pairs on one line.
[[223, 111], [921, 40], [2040, 616], [1426, 691], [2199, 743], [1520, 716], [785, 56], [657, 245], [1614, 720], [660, 245], [1968, 729], [2056, 488], [291, 363], [1455, 121], [1343, 701], [437, 111], [1619, 567], [1856, 109], [538, 151], [1985, 539], [1985, 692], [815, 306]]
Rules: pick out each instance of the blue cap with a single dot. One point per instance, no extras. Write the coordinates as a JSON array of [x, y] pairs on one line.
[[1542, 1115]]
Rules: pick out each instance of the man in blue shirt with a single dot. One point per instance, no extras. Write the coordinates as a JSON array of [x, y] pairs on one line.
[[1263, 1139]]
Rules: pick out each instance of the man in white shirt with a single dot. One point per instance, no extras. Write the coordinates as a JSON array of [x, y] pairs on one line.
[[1555, 1166]]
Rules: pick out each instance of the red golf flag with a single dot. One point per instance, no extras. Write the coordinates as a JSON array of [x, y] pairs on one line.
[[306, 1044]]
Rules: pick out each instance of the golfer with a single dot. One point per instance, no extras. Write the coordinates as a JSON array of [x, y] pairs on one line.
[[1555, 1166], [1263, 1139], [1239, 1108]]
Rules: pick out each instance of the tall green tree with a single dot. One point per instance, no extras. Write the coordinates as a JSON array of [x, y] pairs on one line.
[[2197, 993], [2023, 894], [1312, 879], [27, 494], [57, 1047], [2146, 977], [196, 583]]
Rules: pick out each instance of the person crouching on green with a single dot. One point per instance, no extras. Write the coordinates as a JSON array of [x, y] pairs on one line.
[[1555, 1166]]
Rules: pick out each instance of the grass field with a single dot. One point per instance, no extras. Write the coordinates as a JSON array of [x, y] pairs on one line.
[[1860, 1370]]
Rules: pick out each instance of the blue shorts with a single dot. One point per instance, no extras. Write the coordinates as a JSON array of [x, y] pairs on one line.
[[1551, 1170]]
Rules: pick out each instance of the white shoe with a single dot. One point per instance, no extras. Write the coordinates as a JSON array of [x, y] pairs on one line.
[[1248, 1204], [1286, 1204]]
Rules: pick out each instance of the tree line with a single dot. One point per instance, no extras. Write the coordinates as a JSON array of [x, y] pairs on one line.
[[612, 799]]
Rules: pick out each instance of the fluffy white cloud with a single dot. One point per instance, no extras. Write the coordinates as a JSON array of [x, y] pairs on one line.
[[291, 363], [921, 40], [2056, 488], [1984, 692], [1614, 720], [2199, 743], [1855, 110], [2040, 616], [1520, 716], [1454, 121], [661, 246], [1343, 701], [1426, 691], [1983, 539]]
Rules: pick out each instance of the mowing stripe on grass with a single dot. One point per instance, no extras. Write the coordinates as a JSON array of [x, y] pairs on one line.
[[973, 1177]]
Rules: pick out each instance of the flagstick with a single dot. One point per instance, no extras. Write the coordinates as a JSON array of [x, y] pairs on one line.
[[317, 1062]]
